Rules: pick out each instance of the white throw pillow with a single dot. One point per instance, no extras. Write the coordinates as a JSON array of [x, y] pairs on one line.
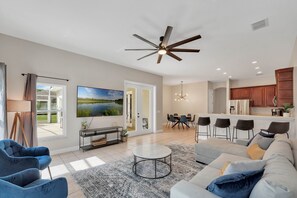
[[247, 165], [270, 189]]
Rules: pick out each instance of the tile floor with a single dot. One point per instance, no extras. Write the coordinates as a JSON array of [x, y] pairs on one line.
[[65, 164]]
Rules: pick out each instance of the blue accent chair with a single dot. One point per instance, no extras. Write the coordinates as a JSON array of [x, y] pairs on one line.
[[15, 158], [28, 183]]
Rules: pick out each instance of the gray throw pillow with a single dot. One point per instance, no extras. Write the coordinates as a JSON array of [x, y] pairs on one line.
[[263, 142]]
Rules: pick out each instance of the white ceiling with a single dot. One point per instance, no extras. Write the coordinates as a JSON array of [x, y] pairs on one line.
[[103, 29]]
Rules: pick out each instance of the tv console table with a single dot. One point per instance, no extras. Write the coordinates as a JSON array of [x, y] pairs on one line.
[[88, 133]]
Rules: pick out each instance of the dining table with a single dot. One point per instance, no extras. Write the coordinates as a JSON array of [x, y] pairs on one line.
[[177, 118]]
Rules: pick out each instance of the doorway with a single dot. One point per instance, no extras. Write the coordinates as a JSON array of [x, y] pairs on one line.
[[219, 100], [139, 109]]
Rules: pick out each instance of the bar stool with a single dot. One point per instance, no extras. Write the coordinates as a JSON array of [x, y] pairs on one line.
[[243, 125], [203, 121], [278, 128], [222, 123]]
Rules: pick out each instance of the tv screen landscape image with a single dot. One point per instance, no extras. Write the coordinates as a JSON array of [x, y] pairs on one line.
[[93, 102]]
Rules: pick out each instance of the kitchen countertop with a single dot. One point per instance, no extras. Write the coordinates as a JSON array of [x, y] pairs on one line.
[[260, 121], [258, 117]]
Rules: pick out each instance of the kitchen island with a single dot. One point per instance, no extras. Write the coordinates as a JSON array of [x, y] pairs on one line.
[[260, 122]]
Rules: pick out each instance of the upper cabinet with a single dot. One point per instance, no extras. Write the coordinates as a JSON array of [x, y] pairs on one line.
[[257, 96], [284, 86], [260, 96], [270, 93], [240, 93]]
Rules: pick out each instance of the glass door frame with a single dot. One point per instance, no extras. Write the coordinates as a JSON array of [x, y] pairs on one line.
[[139, 86]]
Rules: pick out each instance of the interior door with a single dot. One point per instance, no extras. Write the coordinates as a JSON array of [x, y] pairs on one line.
[[139, 108]]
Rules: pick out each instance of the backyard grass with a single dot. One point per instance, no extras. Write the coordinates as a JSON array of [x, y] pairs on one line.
[[43, 118]]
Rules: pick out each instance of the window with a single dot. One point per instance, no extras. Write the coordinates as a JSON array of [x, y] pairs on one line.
[[50, 105]]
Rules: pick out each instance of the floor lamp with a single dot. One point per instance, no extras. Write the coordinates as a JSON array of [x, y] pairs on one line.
[[18, 106]]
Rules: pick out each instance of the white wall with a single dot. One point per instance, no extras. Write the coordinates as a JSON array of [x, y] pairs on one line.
[[198, 98], [293, 63], [27, 57], [167, 97], [257, 81], [219, 100]]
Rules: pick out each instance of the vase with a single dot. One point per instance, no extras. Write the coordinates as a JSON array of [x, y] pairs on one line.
[[124, 138], [286, 115]]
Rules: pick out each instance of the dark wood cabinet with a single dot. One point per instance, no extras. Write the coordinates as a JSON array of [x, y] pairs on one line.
[[269, 95], [257, 96], [260, 96], [240, 93], [284, 86]]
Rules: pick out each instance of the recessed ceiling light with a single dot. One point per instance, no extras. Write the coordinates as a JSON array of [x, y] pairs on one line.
[[257, 67], [229, 76], [259, 72], [225, 73], [218, 69], [254, 62]]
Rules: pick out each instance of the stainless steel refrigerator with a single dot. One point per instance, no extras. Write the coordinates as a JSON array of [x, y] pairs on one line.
[[239, 107]]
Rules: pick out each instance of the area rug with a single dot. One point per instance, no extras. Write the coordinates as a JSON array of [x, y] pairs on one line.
[[116, 179]]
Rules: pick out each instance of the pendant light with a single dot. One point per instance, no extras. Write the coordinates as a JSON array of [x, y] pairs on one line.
[[181, 96]]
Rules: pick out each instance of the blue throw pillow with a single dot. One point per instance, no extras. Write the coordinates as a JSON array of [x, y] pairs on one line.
[[235, 185]]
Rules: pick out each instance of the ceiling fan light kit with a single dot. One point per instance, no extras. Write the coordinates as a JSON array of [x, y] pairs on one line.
[[163, 48]]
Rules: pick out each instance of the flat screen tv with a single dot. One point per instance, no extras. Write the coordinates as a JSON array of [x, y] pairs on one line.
[[92, 102]]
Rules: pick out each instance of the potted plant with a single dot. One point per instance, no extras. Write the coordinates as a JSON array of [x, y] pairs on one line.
[[287, 109], [124, 135], [84, 124]]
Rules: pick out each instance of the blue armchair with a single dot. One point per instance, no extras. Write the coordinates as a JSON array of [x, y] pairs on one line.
[[27, 183], [15, 158]]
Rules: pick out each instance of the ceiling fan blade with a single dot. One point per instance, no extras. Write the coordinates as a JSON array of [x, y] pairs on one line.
[[183, 42], [147, 41], [184, 50], [166, 36], [159, 58], [148, 55], [173, 56], [140, 49]]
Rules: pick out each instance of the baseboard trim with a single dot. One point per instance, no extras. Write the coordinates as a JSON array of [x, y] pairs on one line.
[[64, 150], [159, 131]]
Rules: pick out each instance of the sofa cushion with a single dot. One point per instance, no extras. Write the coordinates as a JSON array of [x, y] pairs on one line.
[[240, 166], [184, 189], [223, 169], [280, 147], [205, 176], [294, 150], [235, 185], [279, 179], [267, 135], [214, 147], [263, 142], [255, 152], [225, 157]]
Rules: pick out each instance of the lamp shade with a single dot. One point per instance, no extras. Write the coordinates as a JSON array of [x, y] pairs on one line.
[[18, 106]]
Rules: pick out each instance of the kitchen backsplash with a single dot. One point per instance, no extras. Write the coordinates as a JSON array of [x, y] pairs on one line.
[[261, 111]]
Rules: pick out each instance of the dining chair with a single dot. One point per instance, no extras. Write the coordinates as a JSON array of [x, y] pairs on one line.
[[183, 121]]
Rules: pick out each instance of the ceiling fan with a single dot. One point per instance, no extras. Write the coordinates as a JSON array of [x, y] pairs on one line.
[[163, 48]]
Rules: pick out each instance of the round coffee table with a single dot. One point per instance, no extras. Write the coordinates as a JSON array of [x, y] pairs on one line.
[[155, 153]]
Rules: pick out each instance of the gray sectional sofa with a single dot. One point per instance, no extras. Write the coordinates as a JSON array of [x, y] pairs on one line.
[[279, 178]]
